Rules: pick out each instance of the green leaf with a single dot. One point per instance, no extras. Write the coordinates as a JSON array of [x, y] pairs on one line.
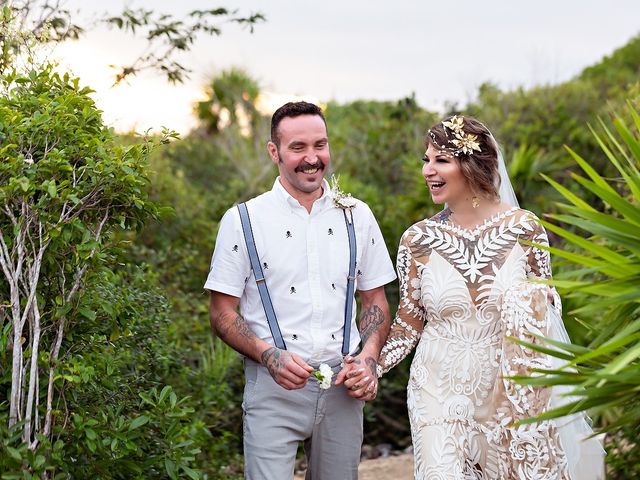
[[191, 473], [138, 422], [85, 312], [163, 394], [52, 190], [170, 467], [15, 454]]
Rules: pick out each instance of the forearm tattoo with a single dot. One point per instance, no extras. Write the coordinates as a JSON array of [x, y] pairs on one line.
[[272, 359], [242, 327], [370, 321], [239, 326]]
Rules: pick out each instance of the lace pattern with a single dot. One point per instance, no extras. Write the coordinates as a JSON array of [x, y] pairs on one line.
[[462, 292]]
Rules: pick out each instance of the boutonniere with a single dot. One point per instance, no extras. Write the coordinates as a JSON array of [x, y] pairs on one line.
[[324, 374], [341, 199]]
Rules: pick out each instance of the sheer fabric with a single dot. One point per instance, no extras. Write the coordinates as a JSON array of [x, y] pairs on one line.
[[463, 292]]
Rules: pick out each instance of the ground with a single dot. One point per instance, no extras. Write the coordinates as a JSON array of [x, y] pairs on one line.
[[396, 467]]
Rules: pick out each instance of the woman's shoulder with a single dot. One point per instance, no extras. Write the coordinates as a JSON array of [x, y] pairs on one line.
[[420, 227], [441, 217], [530, 222], [525, 215]]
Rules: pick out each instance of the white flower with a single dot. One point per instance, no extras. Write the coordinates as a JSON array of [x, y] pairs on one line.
[[324, 374], [340, 199]]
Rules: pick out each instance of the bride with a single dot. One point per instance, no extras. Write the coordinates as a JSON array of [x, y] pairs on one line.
[[463, 290]]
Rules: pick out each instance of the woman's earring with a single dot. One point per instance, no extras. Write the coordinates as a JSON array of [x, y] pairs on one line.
[[475, 202]]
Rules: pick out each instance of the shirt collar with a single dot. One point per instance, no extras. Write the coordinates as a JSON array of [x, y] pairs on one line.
[[282, 194]]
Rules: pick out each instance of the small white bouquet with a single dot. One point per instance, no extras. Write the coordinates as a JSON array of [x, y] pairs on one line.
[[323, 374], [341, 199]]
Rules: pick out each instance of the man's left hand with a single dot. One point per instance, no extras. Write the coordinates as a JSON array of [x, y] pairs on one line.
[[359, 377]]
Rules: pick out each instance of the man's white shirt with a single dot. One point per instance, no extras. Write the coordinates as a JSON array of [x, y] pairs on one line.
[[305, 261]]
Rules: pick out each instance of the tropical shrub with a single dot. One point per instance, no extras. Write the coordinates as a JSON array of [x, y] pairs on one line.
[[605, 284]]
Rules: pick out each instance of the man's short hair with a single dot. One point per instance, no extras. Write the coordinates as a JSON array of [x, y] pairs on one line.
[[292, 109]]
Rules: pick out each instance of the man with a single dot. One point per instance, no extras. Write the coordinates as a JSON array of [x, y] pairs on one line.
[[302, 240]]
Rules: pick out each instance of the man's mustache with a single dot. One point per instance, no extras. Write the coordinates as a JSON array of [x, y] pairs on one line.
[[308, 166]]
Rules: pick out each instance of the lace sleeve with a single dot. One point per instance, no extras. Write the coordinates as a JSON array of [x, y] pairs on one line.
[[539, 262], [535, 447], [407, 326]]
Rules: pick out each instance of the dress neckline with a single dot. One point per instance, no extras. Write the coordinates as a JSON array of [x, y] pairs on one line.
[[473, 232]]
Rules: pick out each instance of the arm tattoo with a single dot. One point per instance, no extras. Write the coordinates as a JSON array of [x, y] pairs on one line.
[[238, 325], [370, 321], [271, 358], [243, 328]]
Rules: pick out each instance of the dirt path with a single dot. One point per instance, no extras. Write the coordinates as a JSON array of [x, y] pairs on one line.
[[398, 467]]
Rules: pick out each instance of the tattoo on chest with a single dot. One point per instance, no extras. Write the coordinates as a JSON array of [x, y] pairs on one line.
[[370, 321]]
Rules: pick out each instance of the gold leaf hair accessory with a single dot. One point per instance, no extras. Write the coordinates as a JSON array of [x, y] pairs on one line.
[[465, 143]]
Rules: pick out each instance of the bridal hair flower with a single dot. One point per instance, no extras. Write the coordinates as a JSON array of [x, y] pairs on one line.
[[465, 143], [324, 375], [341, 199]]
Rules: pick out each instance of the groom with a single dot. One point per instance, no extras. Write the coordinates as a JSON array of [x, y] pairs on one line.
[[303, 236]]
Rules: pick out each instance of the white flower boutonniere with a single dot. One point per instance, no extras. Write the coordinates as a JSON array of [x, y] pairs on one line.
[[324, 375], [341, 199]]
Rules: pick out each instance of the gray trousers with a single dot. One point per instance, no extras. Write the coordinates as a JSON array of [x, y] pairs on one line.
[[276, 420]]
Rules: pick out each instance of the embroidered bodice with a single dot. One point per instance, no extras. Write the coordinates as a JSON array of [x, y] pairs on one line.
[[462, 292]]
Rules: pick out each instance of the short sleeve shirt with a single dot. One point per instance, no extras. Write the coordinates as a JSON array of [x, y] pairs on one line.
[[305, 261]]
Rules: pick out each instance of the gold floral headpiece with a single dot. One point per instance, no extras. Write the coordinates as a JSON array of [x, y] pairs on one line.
[[465, 143]]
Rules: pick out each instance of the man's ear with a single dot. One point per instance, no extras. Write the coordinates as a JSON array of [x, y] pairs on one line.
[[273, 152]]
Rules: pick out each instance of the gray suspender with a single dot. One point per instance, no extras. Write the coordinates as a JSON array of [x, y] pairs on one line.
[[272, 320], [260, 281], [348, 304]]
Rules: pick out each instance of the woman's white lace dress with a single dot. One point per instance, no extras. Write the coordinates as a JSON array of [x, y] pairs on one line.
[[462, 293]]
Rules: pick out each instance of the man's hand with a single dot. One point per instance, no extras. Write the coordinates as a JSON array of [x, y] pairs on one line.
[[359, 377], [288, 369]]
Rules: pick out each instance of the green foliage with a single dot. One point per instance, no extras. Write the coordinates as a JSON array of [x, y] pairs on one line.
[[605, 373], [120, 421], [95, 340]]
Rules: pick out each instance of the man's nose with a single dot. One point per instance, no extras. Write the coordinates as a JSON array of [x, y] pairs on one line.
[[311, 158]]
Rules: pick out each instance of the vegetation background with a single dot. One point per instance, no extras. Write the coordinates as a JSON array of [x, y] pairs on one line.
[[121, 377]]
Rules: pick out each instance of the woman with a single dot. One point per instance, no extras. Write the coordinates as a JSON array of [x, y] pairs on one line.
[[463, 290]]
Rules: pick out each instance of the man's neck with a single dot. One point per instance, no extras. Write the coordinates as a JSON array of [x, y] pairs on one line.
[[305, 199]]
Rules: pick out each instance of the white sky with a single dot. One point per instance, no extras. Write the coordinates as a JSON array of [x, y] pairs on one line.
[[358, 49]]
